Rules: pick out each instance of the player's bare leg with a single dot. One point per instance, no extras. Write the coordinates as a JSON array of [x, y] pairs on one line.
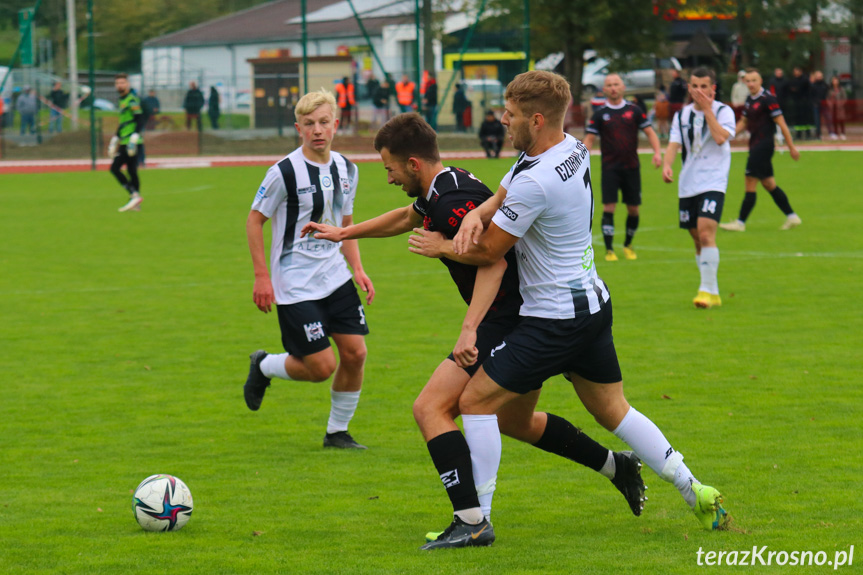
[[608, 405], [707, 257], [345, 390]]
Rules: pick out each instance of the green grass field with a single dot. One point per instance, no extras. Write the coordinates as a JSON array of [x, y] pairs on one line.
[[124, 342]]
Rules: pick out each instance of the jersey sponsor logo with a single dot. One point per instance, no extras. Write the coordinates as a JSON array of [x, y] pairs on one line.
[[460, 213], [627, 115], [587, 258], [346, 185], [262, 193], [509, 213], [314, 331], [450, 478], [306, 190]]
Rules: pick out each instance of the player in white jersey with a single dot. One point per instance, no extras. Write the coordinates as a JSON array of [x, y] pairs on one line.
[[703, 130], [544, 208], [409, 150], [310, 282]]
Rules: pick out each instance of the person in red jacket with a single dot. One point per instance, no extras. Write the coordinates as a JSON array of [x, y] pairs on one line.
[[346, 101]]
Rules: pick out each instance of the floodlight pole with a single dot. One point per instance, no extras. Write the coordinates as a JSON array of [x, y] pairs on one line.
[[526, 26], [91, 56], [419, 76], [72, 39], [305, 49]]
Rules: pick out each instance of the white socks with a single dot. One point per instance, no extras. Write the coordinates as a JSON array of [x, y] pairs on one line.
[[610, 468], [650, 445], [708, 265], [483, 438], [274, 365], [342, 408]]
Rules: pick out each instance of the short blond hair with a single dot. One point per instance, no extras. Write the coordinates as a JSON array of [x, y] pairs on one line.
[[314, 100], [538, 91]]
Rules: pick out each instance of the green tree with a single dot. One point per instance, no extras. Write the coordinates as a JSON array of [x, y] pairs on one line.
[[627, 32]]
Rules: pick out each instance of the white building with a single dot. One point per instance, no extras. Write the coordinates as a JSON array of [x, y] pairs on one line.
[[217, 52]]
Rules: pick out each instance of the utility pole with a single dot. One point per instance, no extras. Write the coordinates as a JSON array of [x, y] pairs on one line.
[[72, 39]]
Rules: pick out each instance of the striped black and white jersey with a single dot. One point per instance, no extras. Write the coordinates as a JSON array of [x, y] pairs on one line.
[[705, 163], [297, 191], [549, 206]]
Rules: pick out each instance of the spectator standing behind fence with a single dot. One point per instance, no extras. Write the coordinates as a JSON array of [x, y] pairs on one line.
[[836, 98], [346, 95], [381, 103], [430, 102], [739, 93], [58, 100], [193, 103], [405, 90], [213, 108], [819, 100], [460, 104], [800, 98], [491, 134], [26, 106], [661, 113], [677, 92], [151, 106]]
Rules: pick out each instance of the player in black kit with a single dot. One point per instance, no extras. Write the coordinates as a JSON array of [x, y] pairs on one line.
[[617, 124], [761, 115], [408, 148]]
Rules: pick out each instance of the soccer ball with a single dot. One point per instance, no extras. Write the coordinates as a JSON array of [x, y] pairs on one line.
[[162, 503]]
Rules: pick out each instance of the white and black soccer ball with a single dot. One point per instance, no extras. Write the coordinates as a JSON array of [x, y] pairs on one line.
[[162, 503]]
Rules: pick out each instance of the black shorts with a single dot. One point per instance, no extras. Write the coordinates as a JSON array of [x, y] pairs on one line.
[[627, 180], [760, 163], [540, 348], [490, 333], [306, 325], [704, 205]]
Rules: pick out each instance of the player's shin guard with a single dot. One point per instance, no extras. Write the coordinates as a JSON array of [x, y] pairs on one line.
[[781, 200], [563, 438], [709, 268], [631, 226], [451, 457], [483, 438], [747, 205], [651, 446], [343, 405], [608, 229]]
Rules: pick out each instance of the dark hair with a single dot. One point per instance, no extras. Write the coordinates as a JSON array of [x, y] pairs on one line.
[[122, 76], [702, 72], [408, 135], [751, 70]]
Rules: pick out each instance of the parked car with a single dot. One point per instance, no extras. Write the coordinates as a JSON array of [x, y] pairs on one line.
[[594, 73]]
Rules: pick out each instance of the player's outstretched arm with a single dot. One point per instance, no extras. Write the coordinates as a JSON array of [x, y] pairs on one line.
[[392, 223], [262, 293], [491, 247], [476, 221], [668, 161], [351, 251], [485, 289], [786, 133]]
